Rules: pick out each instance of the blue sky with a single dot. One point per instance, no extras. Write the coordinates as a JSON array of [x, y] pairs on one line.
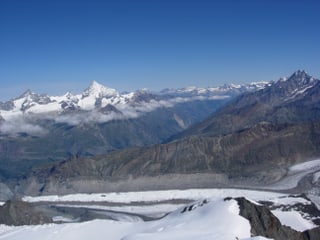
[[57, 46]]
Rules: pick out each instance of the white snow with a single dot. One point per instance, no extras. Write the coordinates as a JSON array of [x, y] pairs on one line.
[[294, 220], [98, 90], [44, 108], [290, 200], [202, 222], [62, 219], [30, 104], [93, 230]]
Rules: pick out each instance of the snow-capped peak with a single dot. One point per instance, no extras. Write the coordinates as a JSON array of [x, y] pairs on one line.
[[97, 90], [300, 73], [26, 94]]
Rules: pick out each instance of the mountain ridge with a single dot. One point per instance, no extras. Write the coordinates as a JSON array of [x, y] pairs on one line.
[[289, 100], [97, 95]]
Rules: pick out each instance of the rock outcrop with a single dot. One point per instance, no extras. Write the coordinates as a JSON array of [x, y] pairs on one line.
[[264, 223], [15, 212]]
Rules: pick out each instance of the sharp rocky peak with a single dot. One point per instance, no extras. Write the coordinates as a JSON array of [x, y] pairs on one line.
[[300, 73], [98, 90], [27, 93], [299, 80], [30, 96], [301, 77]]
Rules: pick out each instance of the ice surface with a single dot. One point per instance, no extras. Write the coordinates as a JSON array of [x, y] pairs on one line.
[[154, 210], [295, 174], [310, 165], [157, 196]]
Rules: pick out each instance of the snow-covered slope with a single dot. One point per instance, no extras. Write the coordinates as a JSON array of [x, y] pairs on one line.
[[210, 216], [204, 220], [285, 206]]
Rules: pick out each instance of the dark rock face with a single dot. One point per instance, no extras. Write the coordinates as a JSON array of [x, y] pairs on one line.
[[264, 223], [17, 213], [262, 153], [5, 192]]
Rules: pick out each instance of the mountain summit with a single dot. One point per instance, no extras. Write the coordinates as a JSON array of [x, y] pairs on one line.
[[97, 90]]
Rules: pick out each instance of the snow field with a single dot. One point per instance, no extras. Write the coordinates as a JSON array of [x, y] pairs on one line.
[[214, 220], [210, 217], [294, 220]]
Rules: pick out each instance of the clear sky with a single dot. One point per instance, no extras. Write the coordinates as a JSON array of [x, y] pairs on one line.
[[54, 46]]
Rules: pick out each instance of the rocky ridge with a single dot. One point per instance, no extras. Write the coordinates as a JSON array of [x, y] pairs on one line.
[[289, 100]]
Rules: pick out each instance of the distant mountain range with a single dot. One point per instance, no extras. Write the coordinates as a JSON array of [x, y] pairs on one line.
[[37, 129], [252, 139], [101, 104]]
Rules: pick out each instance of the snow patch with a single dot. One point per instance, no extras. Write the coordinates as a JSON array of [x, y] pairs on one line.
[[294, 220]]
